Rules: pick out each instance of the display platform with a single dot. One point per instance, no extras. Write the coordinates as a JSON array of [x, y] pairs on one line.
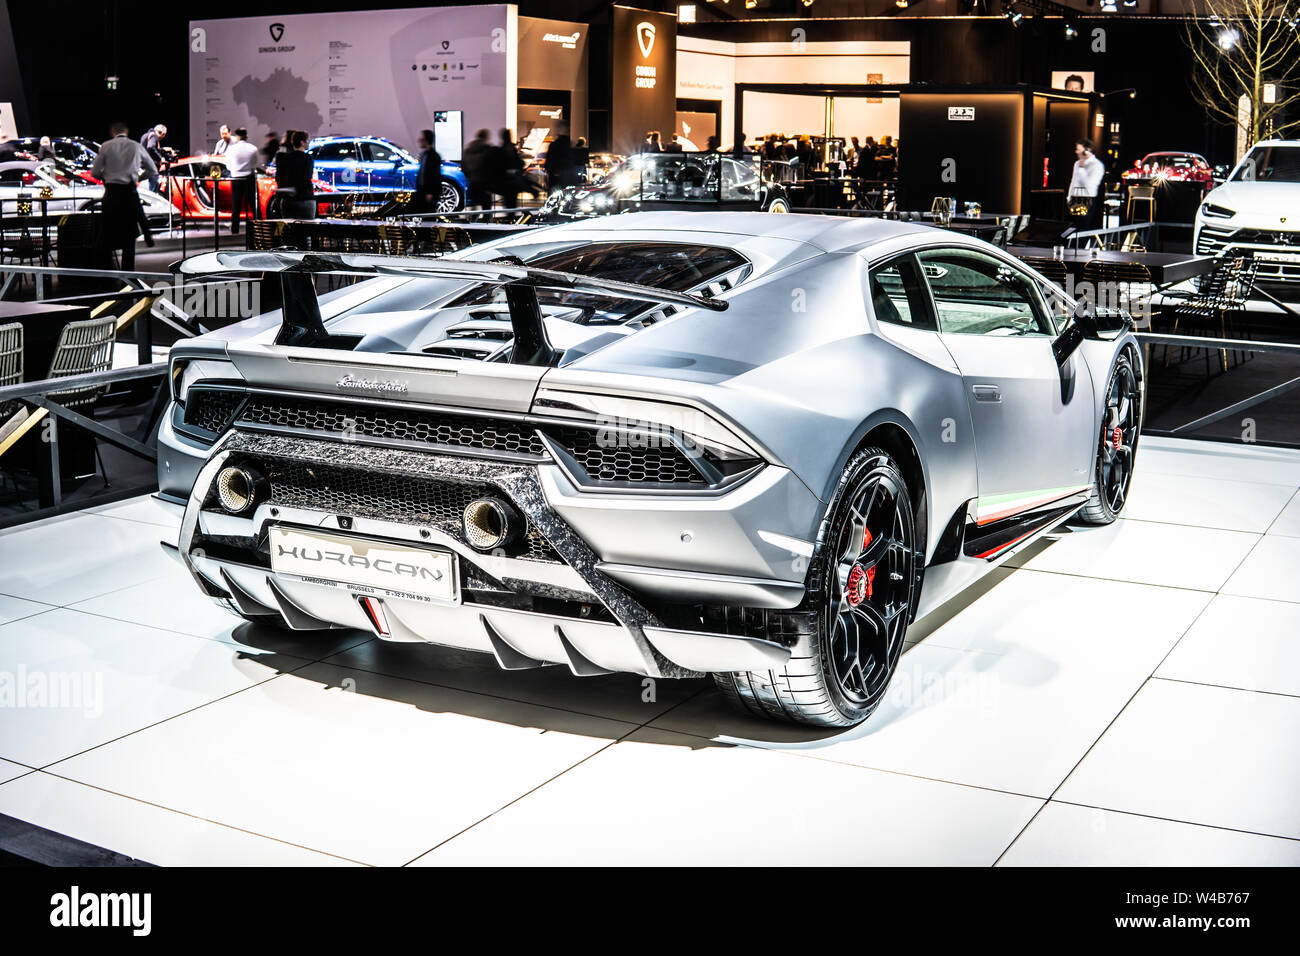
[[1124, 695]]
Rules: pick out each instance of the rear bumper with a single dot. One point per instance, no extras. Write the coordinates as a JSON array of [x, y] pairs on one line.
[[574, 608]]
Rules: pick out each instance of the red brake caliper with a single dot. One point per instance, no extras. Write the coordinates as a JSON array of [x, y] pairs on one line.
[[1116, 438], [861, 579]]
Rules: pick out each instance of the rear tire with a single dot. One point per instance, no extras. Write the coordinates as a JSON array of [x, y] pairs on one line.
[[847, 634], [1114, 469]]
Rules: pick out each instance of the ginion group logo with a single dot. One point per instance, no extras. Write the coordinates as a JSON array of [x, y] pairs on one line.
[[645, 37]]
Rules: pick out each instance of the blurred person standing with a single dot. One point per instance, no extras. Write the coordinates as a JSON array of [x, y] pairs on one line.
[[560, 168], [241, 161], [673, 146], [865, 166], [1085, 184], [117, 165], [152, 143], [476, 161], [294, 172], [271, 146], [886, 158], [581, 159], [46, 151], [223, 141], [509, 171], [428, 181]]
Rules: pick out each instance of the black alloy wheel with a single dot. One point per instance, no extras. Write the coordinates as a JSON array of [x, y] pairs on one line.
[[1121, 423], [846, 637], [870, 597]]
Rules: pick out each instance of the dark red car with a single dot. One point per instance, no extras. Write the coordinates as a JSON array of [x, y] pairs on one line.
[[1171, 167]]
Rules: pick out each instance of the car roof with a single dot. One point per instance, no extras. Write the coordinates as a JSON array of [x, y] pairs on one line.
[[26, 164], [827, 233], [338, 136]]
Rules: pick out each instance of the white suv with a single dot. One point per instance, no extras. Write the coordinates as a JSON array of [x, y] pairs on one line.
[[1257, 211]]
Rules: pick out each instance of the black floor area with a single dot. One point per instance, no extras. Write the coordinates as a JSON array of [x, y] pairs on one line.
[[127, 475]]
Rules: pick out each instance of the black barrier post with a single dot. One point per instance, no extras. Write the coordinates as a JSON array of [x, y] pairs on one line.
[[216, 213], [184, 220]]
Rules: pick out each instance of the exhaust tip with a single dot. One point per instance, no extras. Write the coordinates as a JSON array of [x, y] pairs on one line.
[[240, 489], [490, 523]]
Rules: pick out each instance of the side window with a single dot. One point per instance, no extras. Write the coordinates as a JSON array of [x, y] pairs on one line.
[[976, 294], [377, 153], [1059, 308], [343, 151], [739, 180], [898, 294]]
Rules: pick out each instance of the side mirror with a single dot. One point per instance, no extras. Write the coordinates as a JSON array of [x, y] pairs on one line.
[[1107, 323], [1089, 323]]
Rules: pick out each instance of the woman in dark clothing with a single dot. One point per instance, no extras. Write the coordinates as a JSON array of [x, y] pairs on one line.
[[294, 171]]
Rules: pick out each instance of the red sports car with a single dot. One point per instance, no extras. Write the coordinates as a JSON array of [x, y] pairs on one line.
[[190, 183], [1157, 168]]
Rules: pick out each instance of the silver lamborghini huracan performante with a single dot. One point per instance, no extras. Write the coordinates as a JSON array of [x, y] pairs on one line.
[[671, 444]]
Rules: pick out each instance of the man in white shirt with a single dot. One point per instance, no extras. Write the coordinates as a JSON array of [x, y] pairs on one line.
[[1085, 183], [241, 161], [117, 165], [223, 141]]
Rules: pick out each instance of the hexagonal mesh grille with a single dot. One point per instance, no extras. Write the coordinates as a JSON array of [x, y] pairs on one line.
[[369, 494], [211, 408], [402, 424], [614, 458]]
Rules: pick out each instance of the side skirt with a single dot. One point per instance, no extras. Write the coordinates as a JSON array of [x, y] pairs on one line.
[[991, 541]]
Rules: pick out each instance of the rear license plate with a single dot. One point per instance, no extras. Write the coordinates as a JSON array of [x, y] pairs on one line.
[[363, 565]]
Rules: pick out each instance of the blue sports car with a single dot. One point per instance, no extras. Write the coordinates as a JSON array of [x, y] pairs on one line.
[[375, 164]]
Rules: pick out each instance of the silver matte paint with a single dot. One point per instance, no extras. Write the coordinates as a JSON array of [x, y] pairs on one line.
[[797, 368]]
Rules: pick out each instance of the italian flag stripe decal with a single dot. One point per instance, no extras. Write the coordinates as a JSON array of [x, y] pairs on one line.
[[997, 507]]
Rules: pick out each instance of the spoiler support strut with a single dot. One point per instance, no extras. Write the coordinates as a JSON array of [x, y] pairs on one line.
[[301, 323]]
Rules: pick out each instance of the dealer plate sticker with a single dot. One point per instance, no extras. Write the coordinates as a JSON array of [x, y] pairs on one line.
[[363, 565]]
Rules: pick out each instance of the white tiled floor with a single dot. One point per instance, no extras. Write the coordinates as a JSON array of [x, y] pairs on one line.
[[1129, 695]]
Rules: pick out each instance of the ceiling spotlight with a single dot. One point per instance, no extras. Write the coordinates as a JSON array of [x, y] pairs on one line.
[[1228, 39], [1012, 14], [1070, 31], [901, 4], [1110, 6], [1130, 4], [750, 4], [808, 3]]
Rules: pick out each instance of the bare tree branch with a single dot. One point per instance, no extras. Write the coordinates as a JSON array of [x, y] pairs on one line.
[[1238, 47]]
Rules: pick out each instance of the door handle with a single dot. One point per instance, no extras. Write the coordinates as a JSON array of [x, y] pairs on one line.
[[987, 393]]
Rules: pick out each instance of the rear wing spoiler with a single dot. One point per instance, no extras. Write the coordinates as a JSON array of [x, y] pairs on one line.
[[301, 321]]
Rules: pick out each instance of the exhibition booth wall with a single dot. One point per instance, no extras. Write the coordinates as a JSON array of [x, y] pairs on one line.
[[710, 69], [938, 50]]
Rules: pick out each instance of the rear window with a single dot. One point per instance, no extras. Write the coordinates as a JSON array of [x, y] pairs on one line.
[[677, 267]]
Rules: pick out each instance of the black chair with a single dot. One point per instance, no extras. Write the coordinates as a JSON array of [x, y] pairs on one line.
[[1053, 269], [1212, 307]]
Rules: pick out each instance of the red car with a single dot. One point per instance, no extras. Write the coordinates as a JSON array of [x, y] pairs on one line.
[[1157, 168], [189, 184]]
